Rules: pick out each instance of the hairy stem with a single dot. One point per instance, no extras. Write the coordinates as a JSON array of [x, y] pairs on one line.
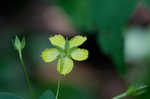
[[26, 75], [58, 87]]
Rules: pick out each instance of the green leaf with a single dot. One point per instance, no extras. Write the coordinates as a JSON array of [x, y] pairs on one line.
[[49, 55], [135, 90], [9, 96], [47, 95], [64, 65]]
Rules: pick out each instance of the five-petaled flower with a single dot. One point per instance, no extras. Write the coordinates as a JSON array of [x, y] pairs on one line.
[[65, 51]]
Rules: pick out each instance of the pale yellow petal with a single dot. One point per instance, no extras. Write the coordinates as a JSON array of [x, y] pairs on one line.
[[49, 55], [58, 40], [79, 54], [64, 65], [77, 41]]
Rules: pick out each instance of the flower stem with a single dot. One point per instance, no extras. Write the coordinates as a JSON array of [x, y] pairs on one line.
[[58, 87], [121, 96], [26, 75]]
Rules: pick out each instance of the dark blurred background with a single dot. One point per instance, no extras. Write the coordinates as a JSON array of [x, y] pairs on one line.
[[118, 41]]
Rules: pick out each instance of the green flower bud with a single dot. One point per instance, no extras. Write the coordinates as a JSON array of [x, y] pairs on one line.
[[19, 45]]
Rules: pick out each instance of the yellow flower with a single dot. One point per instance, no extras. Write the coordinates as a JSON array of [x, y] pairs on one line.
[[65, 51]]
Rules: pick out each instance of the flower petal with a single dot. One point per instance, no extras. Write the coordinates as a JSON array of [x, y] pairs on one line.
[[79, 54], [77, 41], [64, 65], [58, 40], [49, 55]]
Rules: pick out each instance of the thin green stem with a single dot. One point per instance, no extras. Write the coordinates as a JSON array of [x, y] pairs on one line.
[[58, 87], [121, 96], [26, 75]]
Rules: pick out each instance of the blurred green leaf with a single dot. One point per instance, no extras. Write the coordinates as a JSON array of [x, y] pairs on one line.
[[79, 11], [112, 44], [47, 95], [9, 96], [137, 89], [133, 90], [147, 3], [110, 17]]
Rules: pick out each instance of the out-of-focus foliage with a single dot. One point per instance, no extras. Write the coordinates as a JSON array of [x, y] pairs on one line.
[[9, 96], [47, 95], [79, 11], [147, 3], [136, 90], [110, 17], [133, 90], [70, 92]]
